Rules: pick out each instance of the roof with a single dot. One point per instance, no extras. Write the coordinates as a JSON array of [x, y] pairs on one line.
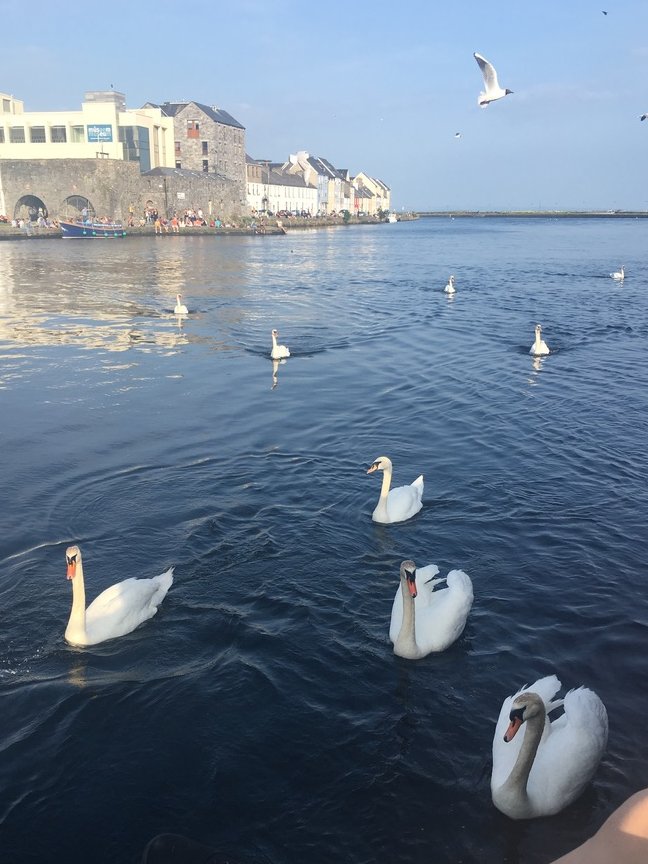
[[171, 109]]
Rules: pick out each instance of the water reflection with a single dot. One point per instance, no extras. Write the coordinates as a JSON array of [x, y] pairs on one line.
[[275, 369], [537, 363]]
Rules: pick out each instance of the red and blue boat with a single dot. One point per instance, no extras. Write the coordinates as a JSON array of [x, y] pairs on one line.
[[91, 229]]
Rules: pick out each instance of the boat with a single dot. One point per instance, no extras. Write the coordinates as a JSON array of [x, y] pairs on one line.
[[91, 229], [392, 218]]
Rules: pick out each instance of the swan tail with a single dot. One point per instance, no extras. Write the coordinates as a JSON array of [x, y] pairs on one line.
[[163, 582], [583, 707]]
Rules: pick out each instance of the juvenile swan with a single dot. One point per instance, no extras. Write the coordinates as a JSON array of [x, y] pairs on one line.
[[395, 505], [424, 620], [539, 347], [116, 611], [553, 762], [278, 351]]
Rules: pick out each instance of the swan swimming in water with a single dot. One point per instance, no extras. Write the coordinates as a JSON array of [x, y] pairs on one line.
[[424, 620], [399, 504], [180, 308], [450, 287], [539, 347], [278, 351], [619, 275], [549, 766], [116, 611]]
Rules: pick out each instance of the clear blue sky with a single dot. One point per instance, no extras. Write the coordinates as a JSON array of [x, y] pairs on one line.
[[375, 86]]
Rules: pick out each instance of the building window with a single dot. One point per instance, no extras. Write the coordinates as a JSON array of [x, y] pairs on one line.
[[177, 148], [178, 164], [17, 135], [205, 148], [37, 134], [58, 134], [193, 129], [77, 133], [205, 165], [2, 141], [6, 106]]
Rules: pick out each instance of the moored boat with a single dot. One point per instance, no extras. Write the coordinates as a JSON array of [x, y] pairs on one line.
[[92, 229]]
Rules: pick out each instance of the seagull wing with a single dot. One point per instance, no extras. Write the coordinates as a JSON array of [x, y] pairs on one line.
[[488, 71]]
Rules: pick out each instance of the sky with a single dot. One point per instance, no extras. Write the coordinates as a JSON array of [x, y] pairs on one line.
[[375, 86]]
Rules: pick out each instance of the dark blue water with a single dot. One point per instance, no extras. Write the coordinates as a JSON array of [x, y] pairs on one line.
[[262, 710]]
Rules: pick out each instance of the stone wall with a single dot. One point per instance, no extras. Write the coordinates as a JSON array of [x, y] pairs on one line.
[[112, 187]]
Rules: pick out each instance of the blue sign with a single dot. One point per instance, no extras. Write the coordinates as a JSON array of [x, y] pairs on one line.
[[100, 132]]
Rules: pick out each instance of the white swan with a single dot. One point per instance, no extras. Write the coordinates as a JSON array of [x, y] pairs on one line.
[[539, 347], [493, 90], [450, 287], [395, 505], [424, 620], [619, 275], [548, 767], [180, 308], [278, 351], [117, 610]]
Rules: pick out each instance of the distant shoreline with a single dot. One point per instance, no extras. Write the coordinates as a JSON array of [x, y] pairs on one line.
[[536, 214]]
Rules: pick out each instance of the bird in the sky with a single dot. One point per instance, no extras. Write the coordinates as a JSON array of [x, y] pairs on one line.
[[603, 11], [643, 116], [457, 134], [493, 90]]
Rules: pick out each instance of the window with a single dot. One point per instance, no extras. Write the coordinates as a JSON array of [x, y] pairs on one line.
[[37, 134], [17, 135], [178, 163], [193, 129], [6, 106], [205, 165], [205, 148], [77, 135], [177, 148], [2, 141], [58, 134]]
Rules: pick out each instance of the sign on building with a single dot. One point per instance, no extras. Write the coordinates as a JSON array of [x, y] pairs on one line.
[[100, 132]]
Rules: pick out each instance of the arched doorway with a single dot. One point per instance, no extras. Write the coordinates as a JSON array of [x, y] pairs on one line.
[[29, 207], [75, 205]]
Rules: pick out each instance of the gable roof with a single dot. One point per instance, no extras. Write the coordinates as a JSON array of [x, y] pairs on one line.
[[171, 109]]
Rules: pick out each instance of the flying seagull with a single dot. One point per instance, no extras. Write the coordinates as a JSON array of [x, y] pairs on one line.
[[493, 90], [643, 116], [458, 134]]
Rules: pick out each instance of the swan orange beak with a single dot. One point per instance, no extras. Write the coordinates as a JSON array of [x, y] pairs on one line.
[[372, 468], [513, 728], [71, 568], [411, 583]]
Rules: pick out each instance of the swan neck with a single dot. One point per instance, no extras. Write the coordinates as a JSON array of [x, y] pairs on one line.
[[405, 645], [386, 483], [76, 629], [519, 775]]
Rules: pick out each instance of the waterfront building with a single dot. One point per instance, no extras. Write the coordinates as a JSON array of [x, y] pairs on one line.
[[102, 129], [380, 192], [272, 189]]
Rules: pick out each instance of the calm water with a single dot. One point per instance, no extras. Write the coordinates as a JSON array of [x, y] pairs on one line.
[[262, 709]]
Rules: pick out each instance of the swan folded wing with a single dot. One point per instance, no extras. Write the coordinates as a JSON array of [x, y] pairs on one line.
[[123, 607], [570, 754], [505, 753], [441, 623], [405, 501]]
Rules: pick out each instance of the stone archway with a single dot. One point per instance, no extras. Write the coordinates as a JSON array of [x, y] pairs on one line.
[[74, 205], [29, 207]]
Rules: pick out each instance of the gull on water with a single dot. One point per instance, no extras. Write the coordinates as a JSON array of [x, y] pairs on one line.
[[493, 90]]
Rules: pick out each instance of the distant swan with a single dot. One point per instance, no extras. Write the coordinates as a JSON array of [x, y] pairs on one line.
[[180, 308], [116, 611], [395, 505], [424, 620], [450, 287], [619, 275], [278, 351], [553, 763], [539, 347]]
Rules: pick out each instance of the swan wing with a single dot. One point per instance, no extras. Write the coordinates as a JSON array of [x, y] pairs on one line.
[[443, 619], [405, 501], [124, 606], [505, 754], [569, 755]]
